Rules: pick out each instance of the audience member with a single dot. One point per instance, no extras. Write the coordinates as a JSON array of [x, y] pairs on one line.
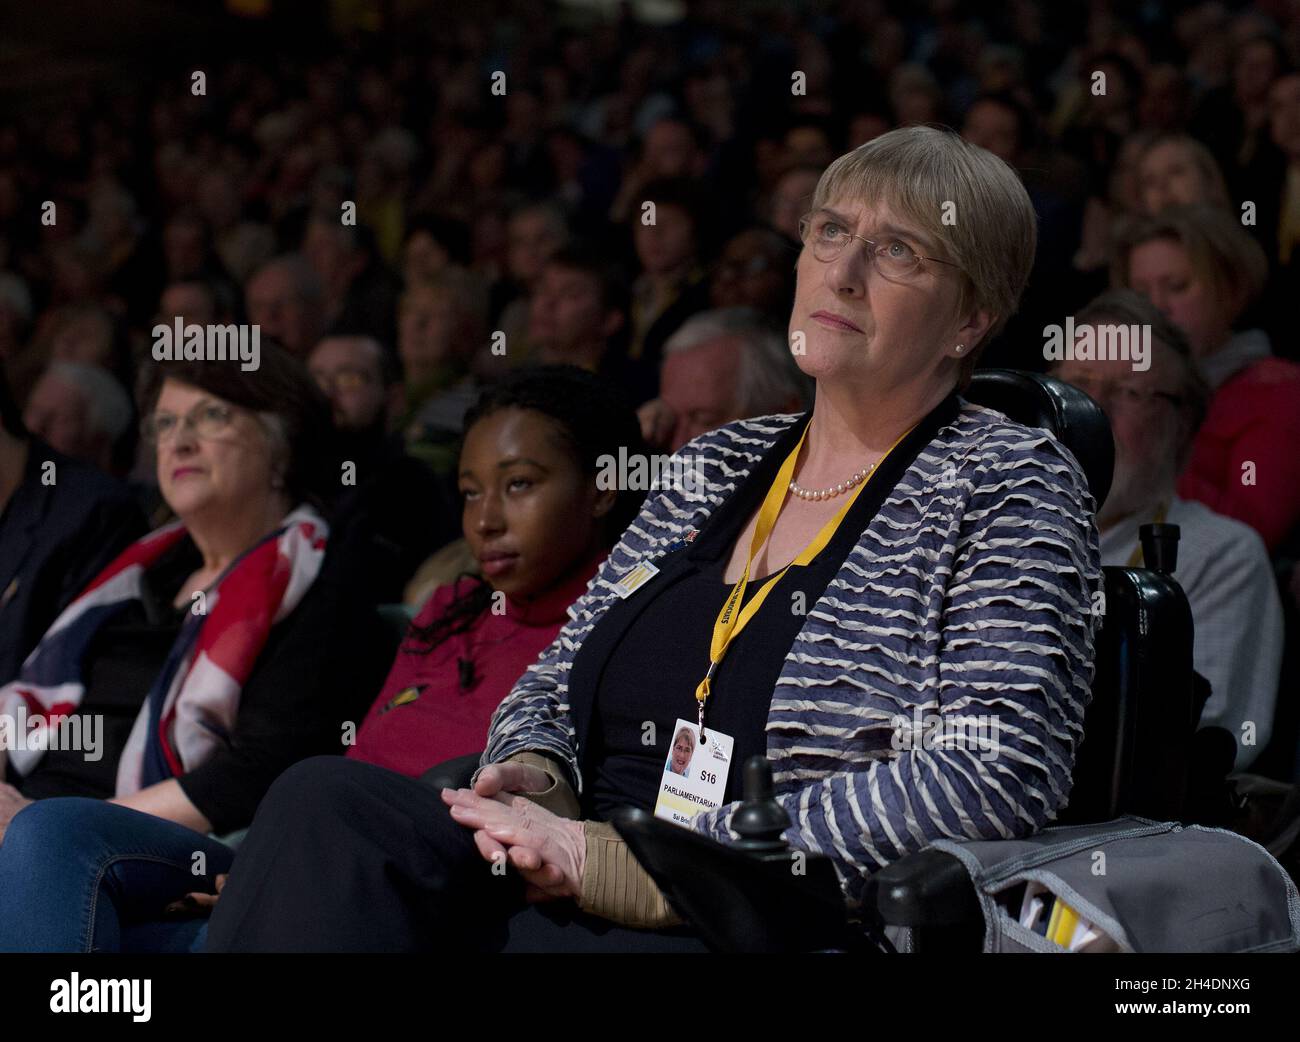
[[791, 197], [1177, 170], [755, 270], [61, 522], [204, 659], [1198, 267], [285, 298], [82, 412], [1222, 564], [1272, 187], [579, 315], [200, 603], [432, 244], [388, 511], [535, 231], [358, 290], [194, 302], [672, 285], [723, 365], [538, 527]]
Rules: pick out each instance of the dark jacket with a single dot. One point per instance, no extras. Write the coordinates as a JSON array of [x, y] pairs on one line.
[[61, 527]]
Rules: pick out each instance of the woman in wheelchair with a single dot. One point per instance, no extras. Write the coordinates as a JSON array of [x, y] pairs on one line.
[[822, 583]]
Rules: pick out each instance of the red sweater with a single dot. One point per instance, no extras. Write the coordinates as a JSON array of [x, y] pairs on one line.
[[423, 716], [1253, 417]]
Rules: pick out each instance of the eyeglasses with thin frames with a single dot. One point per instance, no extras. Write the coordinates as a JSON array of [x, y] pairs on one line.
[[895, 259], [209, 420]]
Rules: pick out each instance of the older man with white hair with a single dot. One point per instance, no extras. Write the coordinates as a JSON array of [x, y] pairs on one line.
[[81, 410], [721, 365], [1223, 566]]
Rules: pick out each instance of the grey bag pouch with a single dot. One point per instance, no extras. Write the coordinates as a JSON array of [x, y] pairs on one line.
[[1147, 886]]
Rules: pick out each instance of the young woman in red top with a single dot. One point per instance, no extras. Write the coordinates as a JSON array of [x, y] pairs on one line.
[[539, 527]]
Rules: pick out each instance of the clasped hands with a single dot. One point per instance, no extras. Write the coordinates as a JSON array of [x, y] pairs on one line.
[[548, 851]]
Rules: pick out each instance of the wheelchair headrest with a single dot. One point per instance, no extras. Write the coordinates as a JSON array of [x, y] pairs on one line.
[[1041, 401]]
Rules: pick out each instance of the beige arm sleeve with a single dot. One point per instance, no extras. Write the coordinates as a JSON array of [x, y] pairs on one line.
[[559, 799], [616, 887]]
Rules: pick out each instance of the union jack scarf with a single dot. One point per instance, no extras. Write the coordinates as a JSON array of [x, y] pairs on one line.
[[190, 710]]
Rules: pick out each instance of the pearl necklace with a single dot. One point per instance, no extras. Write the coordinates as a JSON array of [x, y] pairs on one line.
[[834, 490]]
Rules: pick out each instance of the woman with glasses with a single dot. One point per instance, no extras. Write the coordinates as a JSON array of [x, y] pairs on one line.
[[830, 578], [197, 666]]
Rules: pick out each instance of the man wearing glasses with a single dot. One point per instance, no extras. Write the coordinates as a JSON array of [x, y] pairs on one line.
[[1222, 564]]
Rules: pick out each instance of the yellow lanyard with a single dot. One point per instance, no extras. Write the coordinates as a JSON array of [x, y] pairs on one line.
[[1135, 559], [730, 623]]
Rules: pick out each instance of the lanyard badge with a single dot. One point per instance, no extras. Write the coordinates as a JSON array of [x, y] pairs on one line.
[[695, 773]]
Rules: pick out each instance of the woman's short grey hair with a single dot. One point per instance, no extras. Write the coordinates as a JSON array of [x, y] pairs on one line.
[[989, 230], [107, 403], [768, 373]]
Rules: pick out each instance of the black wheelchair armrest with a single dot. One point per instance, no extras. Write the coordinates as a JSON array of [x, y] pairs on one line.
[[739, 901], [452, 774], [931, 893]]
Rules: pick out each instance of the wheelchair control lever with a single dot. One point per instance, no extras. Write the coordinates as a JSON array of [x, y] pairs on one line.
[[760, 820], [1160, 547]]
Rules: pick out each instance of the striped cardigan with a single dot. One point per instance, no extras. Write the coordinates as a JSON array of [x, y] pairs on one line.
[[970, 594]]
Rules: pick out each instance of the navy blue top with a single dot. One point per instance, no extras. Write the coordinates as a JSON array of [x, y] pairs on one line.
[[54, 539], [652, 676]]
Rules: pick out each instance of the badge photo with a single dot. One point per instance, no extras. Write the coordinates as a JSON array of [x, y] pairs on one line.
[[695, 773]]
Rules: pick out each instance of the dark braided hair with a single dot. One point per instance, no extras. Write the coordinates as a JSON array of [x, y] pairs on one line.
[[593, 417]]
